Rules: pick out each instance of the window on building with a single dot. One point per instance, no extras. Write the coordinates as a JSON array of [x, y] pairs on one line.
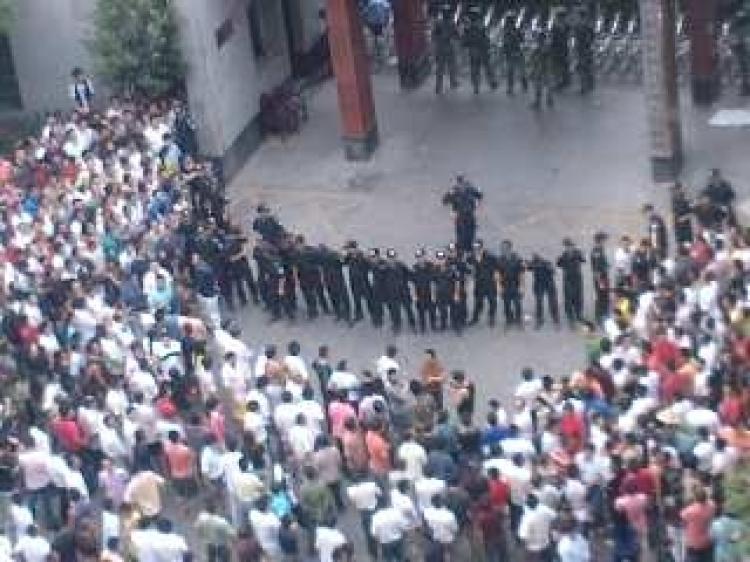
[[10, 96]]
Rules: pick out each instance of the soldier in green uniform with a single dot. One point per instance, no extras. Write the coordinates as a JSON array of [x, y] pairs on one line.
[[477, 42], [540, 71], [444, 34]]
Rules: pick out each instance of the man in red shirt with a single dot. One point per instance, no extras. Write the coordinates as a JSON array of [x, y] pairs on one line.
[[498, 490], [180, 463], [68, 431], [488, 521], [572, 428]]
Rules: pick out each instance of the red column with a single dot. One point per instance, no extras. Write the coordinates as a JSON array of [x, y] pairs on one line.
[[702, 29], [352, 71], [412, 46]]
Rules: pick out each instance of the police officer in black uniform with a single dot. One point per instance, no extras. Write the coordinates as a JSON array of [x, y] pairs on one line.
[[682, 210], [570, 262], [513, 53], [543, 286], [477, 42], [358, 269], [511, 269], [444, 35], [423, 280], [444, 289], [263, 256], [379, 274], [332, 265], [463, 199], [584, 47], [600, 277], [560, 51], [307, 262], [485, 268], [459, 307], [398, 295], [239, 271], [277, 287], [267, 226], [657, 232]]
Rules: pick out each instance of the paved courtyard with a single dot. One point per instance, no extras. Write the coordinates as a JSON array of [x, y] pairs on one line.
[[571, 171]]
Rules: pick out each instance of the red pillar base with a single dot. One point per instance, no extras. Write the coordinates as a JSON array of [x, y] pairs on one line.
[[359, 128]]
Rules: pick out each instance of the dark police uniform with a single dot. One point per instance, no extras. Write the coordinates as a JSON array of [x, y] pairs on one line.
[[379, 274], [511, 270], [398, 295], [477, 42], [601, 282], [423, 279], [560, 52], [681, 211], [335, 283], [444, 290], [459, 308], [240, 272], [444, 34], [485, 268], [570, 262], [266, 225], [540, 69], [657, 235], [543, 286], [359, 281], [584, 45], [513, 53], [307, 263], [463, 199]]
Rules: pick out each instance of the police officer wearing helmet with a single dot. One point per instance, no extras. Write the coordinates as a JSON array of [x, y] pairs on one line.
[[423, 279]]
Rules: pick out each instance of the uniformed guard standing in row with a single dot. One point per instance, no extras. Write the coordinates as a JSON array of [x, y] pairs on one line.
[[600, 274], [398, 295], [267, 226], [262, 254], [570, 262], [307, 262], [584, 35], [423, 278], [477, 42], [513, 54], [444, 36], [484, 265], [511, 270], [359, 281], [543, 286], [239, 272], [463, 199], [333, 278], [379, 271], [560, 49], [444, 290], [540, 71]]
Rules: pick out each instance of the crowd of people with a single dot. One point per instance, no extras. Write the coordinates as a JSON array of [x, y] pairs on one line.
[[128, 396]]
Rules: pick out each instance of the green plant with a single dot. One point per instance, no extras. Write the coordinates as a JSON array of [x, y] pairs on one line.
[[737, 498], [136, 46]]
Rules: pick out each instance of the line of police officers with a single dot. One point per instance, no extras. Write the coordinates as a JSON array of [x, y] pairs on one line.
[[546, 65]]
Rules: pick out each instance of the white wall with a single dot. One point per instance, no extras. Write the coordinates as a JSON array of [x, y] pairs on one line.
[[224, 84], [47, 44]]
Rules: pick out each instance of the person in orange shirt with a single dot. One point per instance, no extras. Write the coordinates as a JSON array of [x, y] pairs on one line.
[[379, 451], [433, 376], [180, 464], [697, 518]]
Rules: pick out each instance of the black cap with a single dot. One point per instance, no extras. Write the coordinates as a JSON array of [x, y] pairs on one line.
[[350, 244], [600, 236], [262, 208], [567, 242]]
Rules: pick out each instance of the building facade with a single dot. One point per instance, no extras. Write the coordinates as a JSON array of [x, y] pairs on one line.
[[235, 51]]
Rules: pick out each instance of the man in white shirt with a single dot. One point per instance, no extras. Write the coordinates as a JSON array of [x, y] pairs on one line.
[[535, 529], [328, 539], [386, 363], [441, 524], [365, 497], [414, 457], [31, 547], [427, 488], [572, 547], [388, 529], [266, 527]]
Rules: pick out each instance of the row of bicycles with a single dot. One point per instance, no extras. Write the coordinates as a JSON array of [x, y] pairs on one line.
[[617, 46]]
